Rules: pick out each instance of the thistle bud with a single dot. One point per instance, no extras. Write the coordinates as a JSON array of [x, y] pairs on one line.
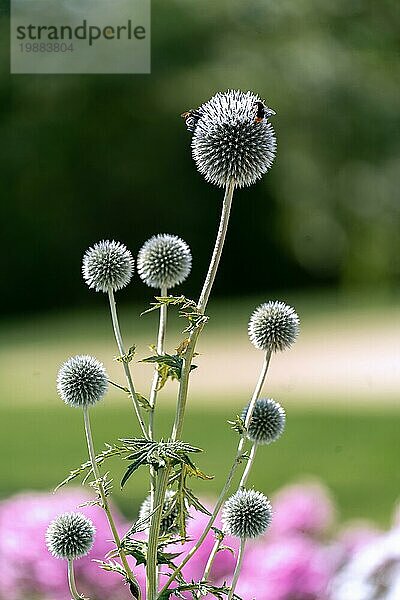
[[82, 381], [164, 261], [107, 266], [246, 514], [70, 536], [274, 326], [267, 421]]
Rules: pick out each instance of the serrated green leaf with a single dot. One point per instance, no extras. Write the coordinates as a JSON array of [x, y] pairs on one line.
[[128, 356]]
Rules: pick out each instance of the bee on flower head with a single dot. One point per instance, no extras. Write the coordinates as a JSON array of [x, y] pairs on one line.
[[191, 117], [262, 112]]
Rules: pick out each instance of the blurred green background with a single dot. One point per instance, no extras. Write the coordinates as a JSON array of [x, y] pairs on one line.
[[89, 157]]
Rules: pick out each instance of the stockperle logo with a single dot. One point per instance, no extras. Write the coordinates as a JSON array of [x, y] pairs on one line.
[[80, 36]]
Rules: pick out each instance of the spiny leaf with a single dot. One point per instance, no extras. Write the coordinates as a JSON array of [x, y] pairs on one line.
[[128, 356], [111, 565], [86, 467], [169, 366], [198, 589], [188, 309], [157, 454], [238, 425], [195, 502], [170, 300]]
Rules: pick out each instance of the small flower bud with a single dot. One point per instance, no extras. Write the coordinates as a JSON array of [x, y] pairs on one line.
[[274, 326], [246, 514], [170, 513], [232, 138], [108, 266], [70, 536], [267, 421], [164, 261], [82, 381]]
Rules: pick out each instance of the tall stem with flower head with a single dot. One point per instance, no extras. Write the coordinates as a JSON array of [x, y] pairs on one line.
[[103, 496], [238, 567], [107, 267], [124, 359], [231, 148], [201, 305], [232, 472], [162, 484], [71, 581]]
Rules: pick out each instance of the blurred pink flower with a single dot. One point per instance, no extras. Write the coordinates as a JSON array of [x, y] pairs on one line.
[[355, 535], [31, 570], [305, 508], [293, 568]]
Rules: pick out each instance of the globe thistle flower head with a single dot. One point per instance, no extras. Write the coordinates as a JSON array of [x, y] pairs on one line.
[[70, 536], [232, 138], [170, 514], [107, 266], [164, 261], [267, 421], [246, 514], [273, 326], [82, 380]]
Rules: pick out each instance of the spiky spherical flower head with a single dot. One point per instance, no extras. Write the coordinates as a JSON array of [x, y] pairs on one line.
[[246, 514], [107, 266], [170, 514], [70, 536], [164, 261], [82, 381], [274, 326], [232, 138], [267, 421]]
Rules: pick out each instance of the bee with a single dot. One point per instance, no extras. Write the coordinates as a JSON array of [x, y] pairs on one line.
[[262, 112], [191, 118]]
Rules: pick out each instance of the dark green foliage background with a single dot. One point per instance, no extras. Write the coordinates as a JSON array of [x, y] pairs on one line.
[[86, 157]]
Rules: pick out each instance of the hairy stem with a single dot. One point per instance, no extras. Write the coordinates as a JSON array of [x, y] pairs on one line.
[[71, 581], [103, 496], [236, 463], [121, 349], [155, 523], [237, 568], [248, 466]]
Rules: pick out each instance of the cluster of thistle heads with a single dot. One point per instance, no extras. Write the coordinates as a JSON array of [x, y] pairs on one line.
[[273, 327], [232, 141]]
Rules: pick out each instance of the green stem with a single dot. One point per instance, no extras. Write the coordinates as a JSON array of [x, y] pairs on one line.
[[190, 350], [103, 496], [237, 568], [71, 581], [121, 349], [162, 326], [155, 523], [250, 463], [211, 558], [236, 463], [202, 304]]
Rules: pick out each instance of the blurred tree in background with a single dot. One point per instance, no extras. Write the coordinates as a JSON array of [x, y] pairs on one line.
[[87, 157]]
